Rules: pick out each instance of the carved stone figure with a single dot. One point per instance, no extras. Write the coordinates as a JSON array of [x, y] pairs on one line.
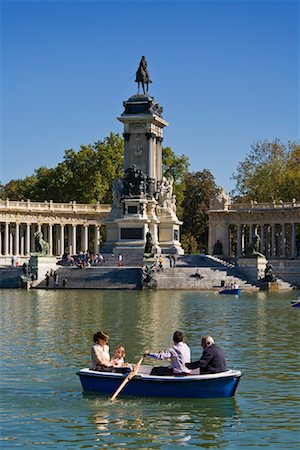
[[148, 277], [218, 248], [149, 243], [134, 182], [165, 190], [142, 76], [117, 192], [41, 246], [269, 276], [220, 200], [253, 247]]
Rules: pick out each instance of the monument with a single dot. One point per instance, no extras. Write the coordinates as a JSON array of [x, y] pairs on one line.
[[143, 200]]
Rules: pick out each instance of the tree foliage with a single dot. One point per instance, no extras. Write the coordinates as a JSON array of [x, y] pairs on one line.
[[199, 189], [85, 176], [271, 171]]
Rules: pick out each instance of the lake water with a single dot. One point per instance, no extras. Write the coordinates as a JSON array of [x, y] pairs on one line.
[[46, 337]]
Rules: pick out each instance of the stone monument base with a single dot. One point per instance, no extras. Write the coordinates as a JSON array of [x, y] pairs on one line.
[[41, 264], [253, 266], [269, 286]]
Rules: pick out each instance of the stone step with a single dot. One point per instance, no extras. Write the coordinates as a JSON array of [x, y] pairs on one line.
[[96, 278]]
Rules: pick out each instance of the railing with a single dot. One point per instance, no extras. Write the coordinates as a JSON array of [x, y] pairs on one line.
[[53, 207], [263, 206]]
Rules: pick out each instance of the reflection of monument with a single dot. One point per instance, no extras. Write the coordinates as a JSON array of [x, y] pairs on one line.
[[143, 200]]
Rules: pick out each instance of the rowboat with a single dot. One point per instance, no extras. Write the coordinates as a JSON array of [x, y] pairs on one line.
[[234, 291], [296, 303], [216, 385]]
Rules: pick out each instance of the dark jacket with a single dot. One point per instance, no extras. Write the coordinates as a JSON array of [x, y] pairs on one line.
[[211, 361]]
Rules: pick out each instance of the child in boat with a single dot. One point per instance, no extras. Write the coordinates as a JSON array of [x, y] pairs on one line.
[[119, 356]]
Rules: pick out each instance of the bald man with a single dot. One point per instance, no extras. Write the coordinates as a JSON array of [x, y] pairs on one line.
[[212, 359]]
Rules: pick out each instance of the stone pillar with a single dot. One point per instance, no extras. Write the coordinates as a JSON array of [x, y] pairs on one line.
[[85, 238], [273, 240], [11, 241], [6, 239], [50, 239], [262, 239], [39, 227], [293, 241], [22, 239], [27, 242], [239, 241], [151, 142], [250, 234], [97, 239], [74, 249], [283, 241], [62, 239]]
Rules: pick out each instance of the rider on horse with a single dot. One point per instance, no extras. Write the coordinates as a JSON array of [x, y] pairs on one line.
[[142, 75]]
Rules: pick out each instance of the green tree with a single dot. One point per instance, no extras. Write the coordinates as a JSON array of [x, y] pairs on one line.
[[199, 189], [271, 171], [177, 167], [85, 176]]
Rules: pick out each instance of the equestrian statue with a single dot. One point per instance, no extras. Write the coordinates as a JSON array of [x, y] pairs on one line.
[[142, 76]]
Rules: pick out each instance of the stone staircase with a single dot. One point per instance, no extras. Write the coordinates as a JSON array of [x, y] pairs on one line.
[[214, 274], [95, 278]]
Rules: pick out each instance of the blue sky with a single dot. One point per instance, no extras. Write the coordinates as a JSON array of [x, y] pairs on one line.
[[225, 72]]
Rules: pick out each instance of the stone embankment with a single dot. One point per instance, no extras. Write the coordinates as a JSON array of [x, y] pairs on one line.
[[214, 273]]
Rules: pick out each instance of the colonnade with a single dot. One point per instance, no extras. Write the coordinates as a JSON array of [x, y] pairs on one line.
[[234, 226], [277, 240], [18, 238], [69, 228]]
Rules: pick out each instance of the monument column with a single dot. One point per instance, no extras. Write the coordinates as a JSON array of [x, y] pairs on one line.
[[143, 200], [17, 239]]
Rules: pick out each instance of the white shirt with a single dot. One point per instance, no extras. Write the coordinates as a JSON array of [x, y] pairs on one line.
[[100, 355], [179, 354]]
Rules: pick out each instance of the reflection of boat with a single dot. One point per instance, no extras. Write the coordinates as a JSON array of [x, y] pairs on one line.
[[216, 385], [296, 302], [229, 291]]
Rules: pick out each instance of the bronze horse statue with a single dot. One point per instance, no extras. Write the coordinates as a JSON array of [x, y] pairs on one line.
[[142, 76]]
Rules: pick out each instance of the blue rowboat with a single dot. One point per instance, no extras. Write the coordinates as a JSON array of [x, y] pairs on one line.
[[236, 291], [217, 385], [296, 303]]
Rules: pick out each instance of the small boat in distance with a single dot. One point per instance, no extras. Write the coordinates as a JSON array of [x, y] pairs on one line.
[[230, 291], [296, 303], [143, 384]]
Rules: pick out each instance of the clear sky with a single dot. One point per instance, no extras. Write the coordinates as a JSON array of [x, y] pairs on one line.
[[225, 72]]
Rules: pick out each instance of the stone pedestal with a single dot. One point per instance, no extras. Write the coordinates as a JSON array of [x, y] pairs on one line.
[[269, 286], [143, 200], [253, 267], [40, 264]]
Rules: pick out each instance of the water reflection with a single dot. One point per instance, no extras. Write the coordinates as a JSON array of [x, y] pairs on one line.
[[162, 421]]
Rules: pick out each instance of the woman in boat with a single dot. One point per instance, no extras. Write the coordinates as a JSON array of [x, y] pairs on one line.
[[100, 352], [179, 354]]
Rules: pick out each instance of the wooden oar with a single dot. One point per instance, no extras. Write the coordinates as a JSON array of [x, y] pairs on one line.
[[128, 378]]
